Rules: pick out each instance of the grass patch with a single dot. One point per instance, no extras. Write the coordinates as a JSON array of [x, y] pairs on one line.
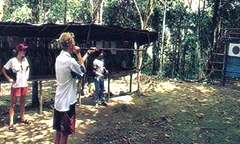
[[182, 113]]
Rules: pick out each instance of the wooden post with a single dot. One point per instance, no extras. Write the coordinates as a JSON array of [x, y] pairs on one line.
[[0, 90], [78, 95], [79, 90], [41, 98], [130, 85], [138, 70], [35, 98], [108, 77]]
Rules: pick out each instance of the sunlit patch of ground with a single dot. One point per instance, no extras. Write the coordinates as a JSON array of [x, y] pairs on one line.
[[39, 131], [166, 111]]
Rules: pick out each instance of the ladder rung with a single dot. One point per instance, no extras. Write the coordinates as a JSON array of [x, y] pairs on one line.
[[218, 70], [216, 62], [218, 54]]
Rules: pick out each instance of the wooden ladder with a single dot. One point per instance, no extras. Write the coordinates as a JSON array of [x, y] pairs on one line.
[[218, 60]]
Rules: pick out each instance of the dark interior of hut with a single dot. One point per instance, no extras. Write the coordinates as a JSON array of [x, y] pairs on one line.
[[42, 52]]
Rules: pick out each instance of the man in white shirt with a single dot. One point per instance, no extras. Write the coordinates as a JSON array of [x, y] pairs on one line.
[[64, 106]]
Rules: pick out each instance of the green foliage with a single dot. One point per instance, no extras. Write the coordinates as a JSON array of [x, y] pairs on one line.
[[17, 11], [156, 22], [231, 14], [121, 13], [56, 12], [21, 14], [80, 11], [77, 11]]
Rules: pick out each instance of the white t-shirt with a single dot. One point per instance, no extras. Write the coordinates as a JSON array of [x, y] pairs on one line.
[[66, 85], [98, 65], [20, 69]]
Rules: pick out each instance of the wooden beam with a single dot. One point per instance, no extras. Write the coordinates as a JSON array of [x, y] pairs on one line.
[[130, 85], [41, 98], [79, 90], [109, 81], [138, 70]]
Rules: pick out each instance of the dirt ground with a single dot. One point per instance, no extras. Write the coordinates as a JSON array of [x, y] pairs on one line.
[[166, 112], [40, 130]]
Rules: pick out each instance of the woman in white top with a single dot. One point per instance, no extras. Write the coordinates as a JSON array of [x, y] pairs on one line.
[[19, 68]]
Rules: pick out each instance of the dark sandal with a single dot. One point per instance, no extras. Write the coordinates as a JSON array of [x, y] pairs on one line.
[[26, 122]]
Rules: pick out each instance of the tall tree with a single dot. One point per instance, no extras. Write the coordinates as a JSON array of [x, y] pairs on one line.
[[35, 8], [156, 20], [97, 11], [163, 36], [216, 22], [65, 11], [144, 17], [146, 12], [1, 10]]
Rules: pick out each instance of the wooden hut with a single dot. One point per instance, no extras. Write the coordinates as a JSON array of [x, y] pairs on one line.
[[119, 44], [43, 51]]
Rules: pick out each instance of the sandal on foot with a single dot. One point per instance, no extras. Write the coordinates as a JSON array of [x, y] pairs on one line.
[[28, 122], [11, 128]]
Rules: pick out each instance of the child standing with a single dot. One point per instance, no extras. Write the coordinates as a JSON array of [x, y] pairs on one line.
[[99, 71]]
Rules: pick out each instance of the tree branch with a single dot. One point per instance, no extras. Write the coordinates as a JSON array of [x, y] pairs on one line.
[[139, 13]]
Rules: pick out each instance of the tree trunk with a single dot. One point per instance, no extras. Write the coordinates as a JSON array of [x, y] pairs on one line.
[[156, 46], [215, 22], [100, 13], [182, 57], [35, 11], [97, 11], [35, 19], [199, 48], [173, 61], [178, 50], [156, 60], [1, 11], [65, 12], [144, 20], [183, 60], [41, 19], [163, 34]]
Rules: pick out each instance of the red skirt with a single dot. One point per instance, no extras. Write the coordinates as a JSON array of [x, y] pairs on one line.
[[20, 91]]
